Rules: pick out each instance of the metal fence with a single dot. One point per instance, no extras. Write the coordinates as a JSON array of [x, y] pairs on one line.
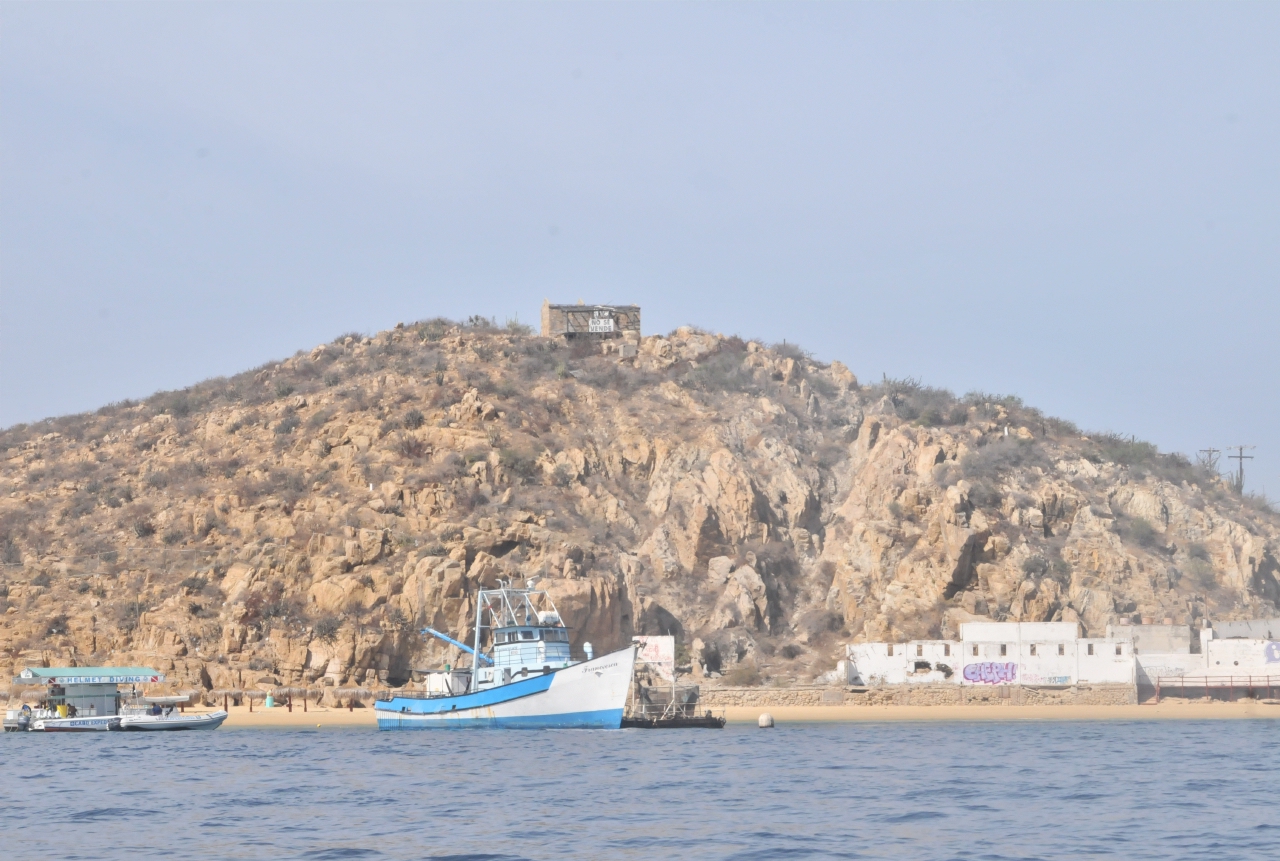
[[1250, 687]]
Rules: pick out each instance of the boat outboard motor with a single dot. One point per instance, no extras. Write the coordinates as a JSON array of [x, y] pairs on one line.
[[586, 647]]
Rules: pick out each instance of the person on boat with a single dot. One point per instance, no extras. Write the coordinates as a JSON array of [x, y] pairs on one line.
[[154, 711]]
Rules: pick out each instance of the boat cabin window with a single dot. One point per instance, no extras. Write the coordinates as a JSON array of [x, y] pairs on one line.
[[526, 635]]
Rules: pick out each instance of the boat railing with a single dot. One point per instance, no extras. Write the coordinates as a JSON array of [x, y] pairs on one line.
[[388, 696], [677, 701]]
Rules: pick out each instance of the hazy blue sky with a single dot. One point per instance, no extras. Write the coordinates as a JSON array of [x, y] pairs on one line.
[[1075, 203]]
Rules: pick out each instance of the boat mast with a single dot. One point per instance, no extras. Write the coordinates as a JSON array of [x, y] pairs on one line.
[[475, 653]]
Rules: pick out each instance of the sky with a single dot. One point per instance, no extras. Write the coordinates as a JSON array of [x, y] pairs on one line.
[[1074, 203]]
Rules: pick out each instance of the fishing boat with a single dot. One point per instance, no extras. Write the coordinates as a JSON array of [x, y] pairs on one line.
[[530, 681]]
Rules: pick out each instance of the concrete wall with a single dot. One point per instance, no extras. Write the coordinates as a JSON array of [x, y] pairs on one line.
[[1254, 657], [933, 661], [1150, 667], [1111, 662], [1011, 632], [1030, 653], [1053, 663], [1159, 639], [916, 662], [1257, 629]]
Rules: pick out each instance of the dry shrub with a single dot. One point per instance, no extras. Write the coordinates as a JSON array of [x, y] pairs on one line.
[[744, 675]]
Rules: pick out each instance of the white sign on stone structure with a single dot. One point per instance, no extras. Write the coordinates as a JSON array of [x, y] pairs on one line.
[[659, 653], [600, 325]]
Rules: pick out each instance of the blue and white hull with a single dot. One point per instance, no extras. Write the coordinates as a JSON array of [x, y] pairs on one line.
[[590, 695]]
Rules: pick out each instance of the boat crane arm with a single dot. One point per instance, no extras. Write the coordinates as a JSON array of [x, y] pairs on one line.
[[451, 641]]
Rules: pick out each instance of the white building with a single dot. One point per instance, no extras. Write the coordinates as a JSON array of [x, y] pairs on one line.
[[1234, 662], [996, 653], [1053, 654]]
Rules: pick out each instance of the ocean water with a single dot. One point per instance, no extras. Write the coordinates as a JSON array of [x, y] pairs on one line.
[[1043, 790]]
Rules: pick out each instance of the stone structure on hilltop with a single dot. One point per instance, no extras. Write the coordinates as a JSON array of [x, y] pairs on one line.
[[297, 524], [590, 321]]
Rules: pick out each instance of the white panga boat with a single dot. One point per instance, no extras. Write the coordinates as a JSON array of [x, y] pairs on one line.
[[530, 682], [152, 714], [172, 721]]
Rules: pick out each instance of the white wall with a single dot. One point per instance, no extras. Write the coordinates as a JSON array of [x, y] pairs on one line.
[[1256, 629], [1000, 653], [877, 663], [1158, 639], [871, 663], [1242, 657], [1149, 668], [1008, 632], [1238, 658], [1110, 664], [1047, 666], [927, 658]]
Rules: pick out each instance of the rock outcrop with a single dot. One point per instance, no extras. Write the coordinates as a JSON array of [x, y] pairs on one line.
[[299, 523]]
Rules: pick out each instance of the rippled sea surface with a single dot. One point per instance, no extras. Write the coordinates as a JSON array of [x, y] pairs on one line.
[[1167, 790]]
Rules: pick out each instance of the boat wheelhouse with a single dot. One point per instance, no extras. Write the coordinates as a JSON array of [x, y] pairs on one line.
[[530, 679]]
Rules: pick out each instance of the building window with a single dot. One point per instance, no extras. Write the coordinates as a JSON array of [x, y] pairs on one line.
[[1004, 650], [1118, 652], [1062, 649], [891, 650], [919, 651], [1091, 648], [1033, 649], [975, 651], [946, 650]]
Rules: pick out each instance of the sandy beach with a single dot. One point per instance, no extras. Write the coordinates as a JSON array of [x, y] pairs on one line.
[[314, 717], [323, 718]]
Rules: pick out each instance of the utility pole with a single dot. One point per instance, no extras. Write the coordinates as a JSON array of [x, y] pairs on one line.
[[1240, 457], [1209, 458]]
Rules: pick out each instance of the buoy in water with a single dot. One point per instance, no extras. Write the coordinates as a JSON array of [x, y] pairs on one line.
[[766, 721]]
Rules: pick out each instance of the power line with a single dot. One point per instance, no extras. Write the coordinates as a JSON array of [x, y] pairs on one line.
[[1240, 457], [1209, 458]]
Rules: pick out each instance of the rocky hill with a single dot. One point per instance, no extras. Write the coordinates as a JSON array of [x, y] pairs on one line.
[[297, 524]]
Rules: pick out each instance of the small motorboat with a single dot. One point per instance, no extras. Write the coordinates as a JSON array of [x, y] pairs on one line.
[[171, 719], [164, 713]]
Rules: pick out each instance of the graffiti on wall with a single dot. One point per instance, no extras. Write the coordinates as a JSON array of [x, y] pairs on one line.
[[991, 673], [1272, 653], [1034, 679]]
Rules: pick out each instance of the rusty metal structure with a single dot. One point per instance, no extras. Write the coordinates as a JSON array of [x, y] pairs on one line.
[[590, 321]]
